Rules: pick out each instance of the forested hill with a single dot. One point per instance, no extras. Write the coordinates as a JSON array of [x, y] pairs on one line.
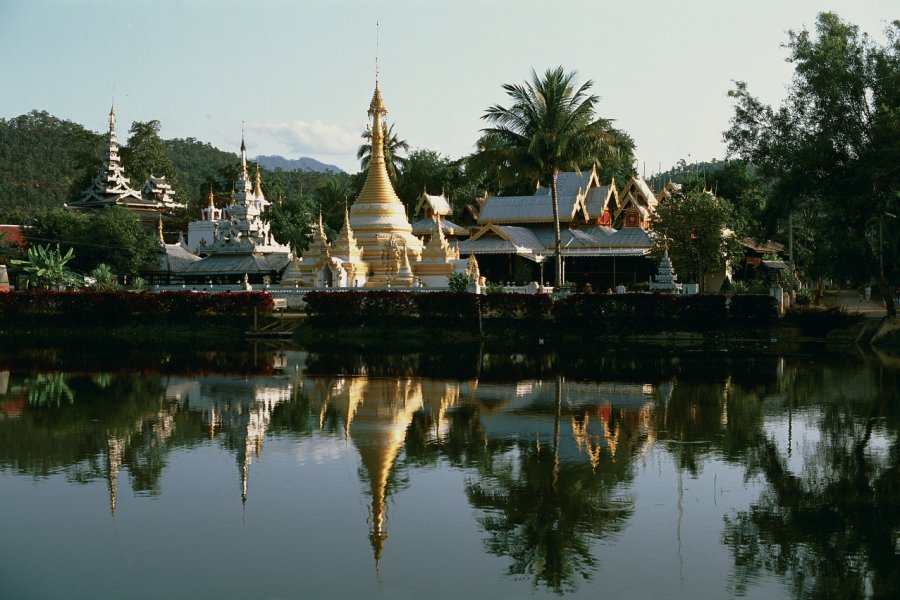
[[43, 160], [273, 162], [46, 161]]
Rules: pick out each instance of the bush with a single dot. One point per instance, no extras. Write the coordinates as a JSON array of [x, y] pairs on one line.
[[93, 307], [804, 297], [458, 282]]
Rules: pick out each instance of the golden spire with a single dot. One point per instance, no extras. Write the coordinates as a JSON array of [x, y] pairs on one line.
[[257, 191], [159, 229], [212, 201]]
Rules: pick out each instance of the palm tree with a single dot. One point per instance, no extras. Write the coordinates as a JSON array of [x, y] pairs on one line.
[[550, 127], [392, 148]]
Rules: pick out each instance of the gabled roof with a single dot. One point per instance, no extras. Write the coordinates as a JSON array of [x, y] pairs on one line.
[[632, 201], [439, 204], [529, 209], [503, 239], [538, 242], [425, 226], [598, 198], [641, 190], [571, 183]]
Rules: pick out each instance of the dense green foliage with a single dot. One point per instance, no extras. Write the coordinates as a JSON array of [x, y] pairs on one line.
[[831, 151], [693, 225], [47, 268], [111, 235], [44, 162]]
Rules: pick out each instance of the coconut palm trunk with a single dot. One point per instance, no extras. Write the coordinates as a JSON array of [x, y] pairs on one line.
[[558, 246]]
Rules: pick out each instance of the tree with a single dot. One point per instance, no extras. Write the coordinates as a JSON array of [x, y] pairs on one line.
[[549, 127], [111, 235], [392, 148], [832, 149], [146, 154], [46, 268], [693, 226]]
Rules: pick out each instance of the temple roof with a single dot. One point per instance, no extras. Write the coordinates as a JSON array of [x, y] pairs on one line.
[[533, 242], [425, 226], [527, 209], [570, 183], [439, 204], [230, 264]]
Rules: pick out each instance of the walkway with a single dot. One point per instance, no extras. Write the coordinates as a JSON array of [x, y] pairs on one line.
[[851, 301]]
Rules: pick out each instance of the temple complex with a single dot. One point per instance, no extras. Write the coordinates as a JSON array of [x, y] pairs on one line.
[[237, 241], [111, 187], [376, 247]]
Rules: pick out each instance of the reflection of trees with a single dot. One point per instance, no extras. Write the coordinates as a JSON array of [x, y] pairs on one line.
[[545, 513], [830, 529]]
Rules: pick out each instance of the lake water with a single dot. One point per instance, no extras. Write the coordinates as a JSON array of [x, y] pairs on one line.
[[272, 472]]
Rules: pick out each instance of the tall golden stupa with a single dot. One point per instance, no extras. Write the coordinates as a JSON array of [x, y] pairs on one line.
[[378, 217], [375, 247]]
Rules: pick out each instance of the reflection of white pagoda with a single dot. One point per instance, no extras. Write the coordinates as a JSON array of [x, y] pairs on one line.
[[240, 407]]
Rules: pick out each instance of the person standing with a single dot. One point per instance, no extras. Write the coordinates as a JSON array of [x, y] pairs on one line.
[[867, 291]]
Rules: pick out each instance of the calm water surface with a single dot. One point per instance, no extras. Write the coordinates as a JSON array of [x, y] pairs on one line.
[[279, 473]]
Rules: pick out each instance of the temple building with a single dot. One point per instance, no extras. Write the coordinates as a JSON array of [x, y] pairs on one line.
[[376, 247], [604, 236], [237, 241], [111, 187], [430, 208]]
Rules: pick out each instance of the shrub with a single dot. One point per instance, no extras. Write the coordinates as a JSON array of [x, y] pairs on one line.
[[804, 297], [458, 282]]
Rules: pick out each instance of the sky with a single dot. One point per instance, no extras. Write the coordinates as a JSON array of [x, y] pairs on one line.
[[299, 74]]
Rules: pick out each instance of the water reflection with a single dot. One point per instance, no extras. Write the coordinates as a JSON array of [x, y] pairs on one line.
[[551, 455]]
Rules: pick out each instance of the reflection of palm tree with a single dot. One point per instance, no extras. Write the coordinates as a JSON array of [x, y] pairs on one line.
[[392, 148], [544, 513]]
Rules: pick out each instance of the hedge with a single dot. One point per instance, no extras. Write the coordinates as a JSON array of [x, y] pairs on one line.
[[110, 307], [597, 312]]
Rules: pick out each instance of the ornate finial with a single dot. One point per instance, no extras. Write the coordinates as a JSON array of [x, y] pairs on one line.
[[212, 200], [257, 190], [159, 229], [243, 151], [377, 28]]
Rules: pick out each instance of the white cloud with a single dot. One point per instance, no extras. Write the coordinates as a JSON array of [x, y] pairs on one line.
[[309, 138]]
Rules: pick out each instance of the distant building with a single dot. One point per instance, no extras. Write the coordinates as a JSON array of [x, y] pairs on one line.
[[111, 187]]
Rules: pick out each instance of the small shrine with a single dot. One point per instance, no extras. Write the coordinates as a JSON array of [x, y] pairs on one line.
[[666, 280]]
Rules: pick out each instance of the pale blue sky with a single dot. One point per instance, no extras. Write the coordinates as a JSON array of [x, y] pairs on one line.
[[301, 73]]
